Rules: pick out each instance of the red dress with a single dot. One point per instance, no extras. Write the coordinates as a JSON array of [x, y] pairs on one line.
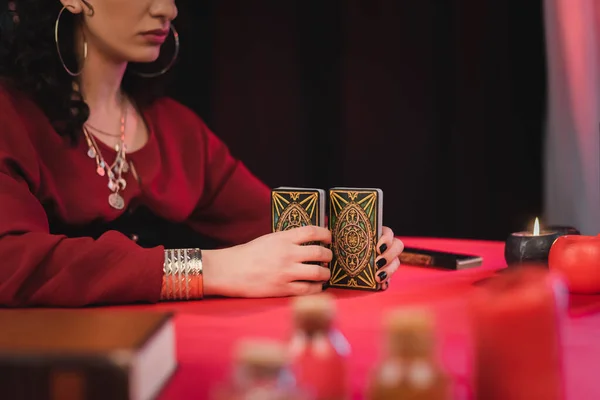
[[57, 244]]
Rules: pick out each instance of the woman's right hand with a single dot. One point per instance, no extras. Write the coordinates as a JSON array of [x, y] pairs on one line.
[[270, 266]]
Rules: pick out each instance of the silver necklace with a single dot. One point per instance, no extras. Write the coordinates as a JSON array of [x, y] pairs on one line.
[[115, 171]]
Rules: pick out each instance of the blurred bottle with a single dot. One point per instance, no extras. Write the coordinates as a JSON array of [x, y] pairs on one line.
[[409, 369], [319, 350], [261, 372]]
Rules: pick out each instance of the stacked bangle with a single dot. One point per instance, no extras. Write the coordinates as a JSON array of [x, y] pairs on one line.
[[182, 275]]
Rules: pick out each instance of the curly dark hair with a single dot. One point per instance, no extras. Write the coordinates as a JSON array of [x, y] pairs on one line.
[[30, 63]]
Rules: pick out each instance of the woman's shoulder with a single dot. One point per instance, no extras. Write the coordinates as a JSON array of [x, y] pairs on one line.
[[170, 111], [10, 99], [18, 112], [179, 124], [18, 108]]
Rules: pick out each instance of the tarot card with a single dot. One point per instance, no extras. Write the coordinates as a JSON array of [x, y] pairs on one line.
[[355, 221], [296, 207]]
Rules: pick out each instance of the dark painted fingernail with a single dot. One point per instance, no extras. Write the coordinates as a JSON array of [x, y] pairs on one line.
[[325, 285], [382, 275], [381, 262], [382, 248]]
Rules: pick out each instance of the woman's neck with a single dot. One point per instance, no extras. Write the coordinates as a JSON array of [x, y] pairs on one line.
[[100, 85], [100, 82]]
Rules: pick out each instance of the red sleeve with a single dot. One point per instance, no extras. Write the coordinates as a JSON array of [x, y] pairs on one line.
[[235, 204], [40, 269]]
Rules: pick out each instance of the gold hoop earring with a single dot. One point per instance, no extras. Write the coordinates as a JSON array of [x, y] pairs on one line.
[[62, 61], [169, 65]]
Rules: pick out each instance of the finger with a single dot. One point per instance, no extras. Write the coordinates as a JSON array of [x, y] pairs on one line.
[[307, 234], [305, 288], [389, 270], [314, 253], [392, 252], [384, 286], [309, 272], [386, 239]]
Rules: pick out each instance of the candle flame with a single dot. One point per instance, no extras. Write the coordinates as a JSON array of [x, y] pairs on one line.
[[536, 227]]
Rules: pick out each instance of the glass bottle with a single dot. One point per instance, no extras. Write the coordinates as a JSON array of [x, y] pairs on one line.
[[409, 369], [319, 350], [261, 372]]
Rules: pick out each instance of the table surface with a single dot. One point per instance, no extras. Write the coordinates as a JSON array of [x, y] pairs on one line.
[[207, 330]]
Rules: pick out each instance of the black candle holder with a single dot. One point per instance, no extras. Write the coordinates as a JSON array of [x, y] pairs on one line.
[[564, 230], [527, 248]]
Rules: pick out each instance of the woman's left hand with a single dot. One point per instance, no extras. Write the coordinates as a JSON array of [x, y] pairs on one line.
[[387, 261]]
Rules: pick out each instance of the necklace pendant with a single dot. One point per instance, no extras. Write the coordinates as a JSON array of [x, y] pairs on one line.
[[100, 171], [116, 201], [122, 183], [91, 152]]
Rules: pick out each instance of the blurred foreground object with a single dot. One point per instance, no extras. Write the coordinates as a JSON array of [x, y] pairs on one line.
[[517, 320], [409, 369], [261, 371], [85, 354], [319, 350]]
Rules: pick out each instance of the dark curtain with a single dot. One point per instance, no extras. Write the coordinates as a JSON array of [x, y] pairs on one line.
[[439, 103]]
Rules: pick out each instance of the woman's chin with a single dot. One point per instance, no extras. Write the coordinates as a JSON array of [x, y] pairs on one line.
[[146, 56]]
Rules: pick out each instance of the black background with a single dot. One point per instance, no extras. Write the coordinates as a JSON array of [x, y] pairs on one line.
[[439, 103]]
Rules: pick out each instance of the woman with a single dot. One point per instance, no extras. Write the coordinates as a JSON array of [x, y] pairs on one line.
[[99, 174]]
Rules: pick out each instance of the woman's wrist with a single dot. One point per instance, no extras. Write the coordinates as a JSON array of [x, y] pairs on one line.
[[183, 277], [213, 285]]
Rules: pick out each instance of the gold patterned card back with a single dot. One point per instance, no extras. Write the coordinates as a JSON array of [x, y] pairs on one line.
[[296, 207], [355, 221]]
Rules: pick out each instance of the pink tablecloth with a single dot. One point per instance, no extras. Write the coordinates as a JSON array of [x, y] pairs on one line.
[[208, 330]]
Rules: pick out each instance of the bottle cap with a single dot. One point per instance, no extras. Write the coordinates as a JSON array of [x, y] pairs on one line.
[[261, 353], [315, 312], [410, 332]]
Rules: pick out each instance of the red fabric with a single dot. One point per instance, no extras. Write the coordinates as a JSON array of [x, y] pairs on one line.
[[187, 175], [207, 330]]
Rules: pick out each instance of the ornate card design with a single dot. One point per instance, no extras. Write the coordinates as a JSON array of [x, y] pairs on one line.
[[296, 207], [355, 222]]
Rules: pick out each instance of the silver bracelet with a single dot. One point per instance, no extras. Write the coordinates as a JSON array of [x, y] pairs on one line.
[[182, 275]]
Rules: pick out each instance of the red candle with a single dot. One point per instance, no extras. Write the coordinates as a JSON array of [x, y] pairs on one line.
[[577, 259], [517, 342]]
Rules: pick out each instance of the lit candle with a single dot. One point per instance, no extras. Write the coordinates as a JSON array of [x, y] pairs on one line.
[[529, 247]]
